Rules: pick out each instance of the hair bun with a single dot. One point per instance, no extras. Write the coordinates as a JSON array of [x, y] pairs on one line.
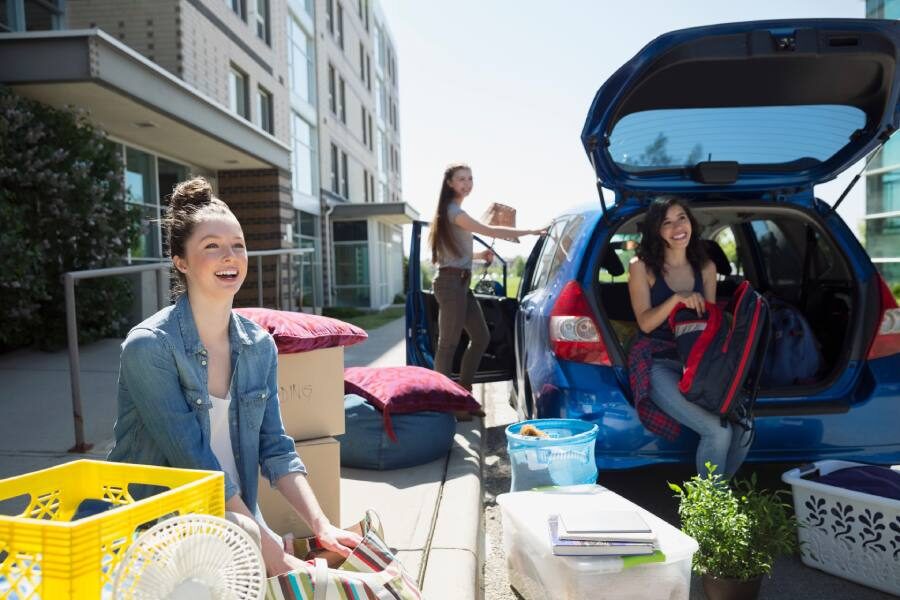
[[196, 192]]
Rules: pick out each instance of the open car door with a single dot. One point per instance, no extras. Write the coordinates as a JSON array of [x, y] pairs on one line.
[[497, 363]]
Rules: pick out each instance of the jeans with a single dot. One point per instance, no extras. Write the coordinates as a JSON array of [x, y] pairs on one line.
[[725, 446], [458, 310]]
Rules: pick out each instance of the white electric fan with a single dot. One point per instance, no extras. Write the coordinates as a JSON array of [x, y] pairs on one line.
[[192, 557]]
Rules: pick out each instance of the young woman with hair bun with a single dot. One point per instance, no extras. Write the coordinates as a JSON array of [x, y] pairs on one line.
[[197, 382], [450, 238]]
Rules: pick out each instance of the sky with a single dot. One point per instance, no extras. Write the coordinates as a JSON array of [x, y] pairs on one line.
[[505, 85]]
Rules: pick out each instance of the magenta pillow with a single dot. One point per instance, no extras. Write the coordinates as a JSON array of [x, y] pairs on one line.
[[406, 390], [301, 332]]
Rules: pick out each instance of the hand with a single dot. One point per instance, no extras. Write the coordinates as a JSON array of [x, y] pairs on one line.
[[542, 231], [340, 541], [487, 256], [284, 563], [692, 300]]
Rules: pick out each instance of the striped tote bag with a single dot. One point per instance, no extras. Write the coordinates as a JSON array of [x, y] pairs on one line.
[[370, 572]]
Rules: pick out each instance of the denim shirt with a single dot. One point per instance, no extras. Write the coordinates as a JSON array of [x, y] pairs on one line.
[[164, 403]]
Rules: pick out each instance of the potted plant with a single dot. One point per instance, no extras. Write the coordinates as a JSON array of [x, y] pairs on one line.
[[740, 531]]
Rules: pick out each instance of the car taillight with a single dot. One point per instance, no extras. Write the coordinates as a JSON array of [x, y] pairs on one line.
[[887, 338], [574, 334]]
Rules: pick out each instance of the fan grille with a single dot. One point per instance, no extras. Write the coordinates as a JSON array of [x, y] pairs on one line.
[[182, 555]]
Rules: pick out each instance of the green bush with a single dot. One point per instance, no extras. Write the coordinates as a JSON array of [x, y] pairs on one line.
[[62, 205], [741, 530], [341, 312]]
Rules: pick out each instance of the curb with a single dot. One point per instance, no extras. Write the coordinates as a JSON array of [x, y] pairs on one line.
[[455, 553]]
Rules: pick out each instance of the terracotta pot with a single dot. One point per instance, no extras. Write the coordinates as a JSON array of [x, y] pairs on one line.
[[731, 589]]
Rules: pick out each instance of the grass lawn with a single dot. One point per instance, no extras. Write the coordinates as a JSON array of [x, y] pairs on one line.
[[372, 320]]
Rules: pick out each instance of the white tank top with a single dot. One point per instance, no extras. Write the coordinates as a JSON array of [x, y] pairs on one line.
[[220, 437]]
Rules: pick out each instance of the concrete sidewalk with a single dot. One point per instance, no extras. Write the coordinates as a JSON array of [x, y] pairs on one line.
[[432, 513]]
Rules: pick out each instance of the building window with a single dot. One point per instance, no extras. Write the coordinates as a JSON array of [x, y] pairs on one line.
[[307, 266], [264, 110], [141, 191], [371, 139], [300, 62], [362, 61], [366, 11], [31, 15], [365, 186], [345, 177], [238, 92], [240, 8], [351, 262], [382, 152], [379, 99], [262, 20], [369, 72], [332, 91], [329, 16], [342, 99], [365, 137], [304, 155], [335, 169], [339, 33]]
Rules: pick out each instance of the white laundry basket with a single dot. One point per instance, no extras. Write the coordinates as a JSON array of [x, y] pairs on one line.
[[846, 533]]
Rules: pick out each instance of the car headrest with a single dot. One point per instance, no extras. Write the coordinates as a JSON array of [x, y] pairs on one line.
[[717, 255], [611, 263]]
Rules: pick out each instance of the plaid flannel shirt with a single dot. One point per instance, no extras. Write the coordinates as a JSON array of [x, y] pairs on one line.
[[640, 361]]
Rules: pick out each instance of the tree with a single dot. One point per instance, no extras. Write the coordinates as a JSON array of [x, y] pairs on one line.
[[62, 205]]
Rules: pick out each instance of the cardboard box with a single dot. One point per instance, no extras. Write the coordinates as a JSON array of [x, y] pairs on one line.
[[322, 458], [311, 393]]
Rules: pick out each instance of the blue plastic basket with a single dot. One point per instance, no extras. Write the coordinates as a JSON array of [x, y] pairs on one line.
[[566, 457]]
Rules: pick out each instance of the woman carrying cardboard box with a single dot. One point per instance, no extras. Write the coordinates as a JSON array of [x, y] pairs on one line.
[[197, 382], [450, 237]]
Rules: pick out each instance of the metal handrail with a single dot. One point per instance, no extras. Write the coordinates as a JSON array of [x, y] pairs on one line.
[[72, 277]]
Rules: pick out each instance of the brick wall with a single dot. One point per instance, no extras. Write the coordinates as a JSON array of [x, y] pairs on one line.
[[261, 200], [150, 28]]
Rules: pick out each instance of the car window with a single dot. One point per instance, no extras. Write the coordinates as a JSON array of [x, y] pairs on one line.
[[542, 270], [793, 137], [782, 261], [623, 246], [566, 238], [726, 241]]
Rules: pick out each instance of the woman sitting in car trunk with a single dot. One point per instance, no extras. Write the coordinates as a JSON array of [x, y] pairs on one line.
[[671, 267]]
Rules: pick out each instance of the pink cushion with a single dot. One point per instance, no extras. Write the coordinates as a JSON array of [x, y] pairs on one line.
[[406, 390], [300, 332]]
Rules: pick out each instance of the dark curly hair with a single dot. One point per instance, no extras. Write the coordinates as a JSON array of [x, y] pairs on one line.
[[652, 249]]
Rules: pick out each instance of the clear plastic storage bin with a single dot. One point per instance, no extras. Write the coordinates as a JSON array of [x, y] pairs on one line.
[[537, 574], [566, 457], [846, 533]]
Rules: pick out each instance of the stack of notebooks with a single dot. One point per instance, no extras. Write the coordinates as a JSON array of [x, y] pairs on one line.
[[601, 533]]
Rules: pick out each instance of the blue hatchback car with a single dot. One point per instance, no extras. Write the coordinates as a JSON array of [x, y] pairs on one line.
[[742, 120]]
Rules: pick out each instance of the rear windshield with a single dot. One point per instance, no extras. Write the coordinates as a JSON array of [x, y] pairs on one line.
[[789, 137]]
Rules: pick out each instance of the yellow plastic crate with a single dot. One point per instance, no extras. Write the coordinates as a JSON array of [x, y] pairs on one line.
[[44, 555]]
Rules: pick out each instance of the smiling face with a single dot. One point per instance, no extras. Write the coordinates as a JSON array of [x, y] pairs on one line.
[[215, 260], [676, 227], [461, 182]]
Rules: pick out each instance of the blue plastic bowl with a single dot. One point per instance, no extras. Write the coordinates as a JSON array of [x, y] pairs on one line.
[[566, 457]]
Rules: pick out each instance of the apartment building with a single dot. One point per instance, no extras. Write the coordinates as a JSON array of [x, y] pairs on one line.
[[184, 87], [882, 220], [289, 107], [361, 201]]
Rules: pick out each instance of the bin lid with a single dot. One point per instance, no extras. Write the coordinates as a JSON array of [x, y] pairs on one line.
[[529, 511]]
